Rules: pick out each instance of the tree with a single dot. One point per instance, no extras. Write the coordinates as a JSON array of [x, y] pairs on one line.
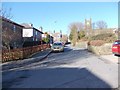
[[79, 25], [73, 34], [46, 39], [74, 29], [81, 34], [101, 24], [6, 12]]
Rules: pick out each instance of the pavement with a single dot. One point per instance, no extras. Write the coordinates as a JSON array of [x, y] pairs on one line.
[[39, 56], [112, 58]]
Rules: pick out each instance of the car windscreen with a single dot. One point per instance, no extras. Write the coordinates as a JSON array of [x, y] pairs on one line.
[[57, 44], [117, 42]]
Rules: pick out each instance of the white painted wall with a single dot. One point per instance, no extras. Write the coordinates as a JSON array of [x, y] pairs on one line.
[[27, 32]]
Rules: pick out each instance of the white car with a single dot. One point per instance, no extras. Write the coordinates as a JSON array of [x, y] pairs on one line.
[[57, 47]]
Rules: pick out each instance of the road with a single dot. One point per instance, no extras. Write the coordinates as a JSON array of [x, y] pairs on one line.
[[73, 68]]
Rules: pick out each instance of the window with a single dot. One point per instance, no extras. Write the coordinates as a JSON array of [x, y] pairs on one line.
[[57, 43], [36, 39], [117, 42], [36, 33], [33, 38], [14, 28]]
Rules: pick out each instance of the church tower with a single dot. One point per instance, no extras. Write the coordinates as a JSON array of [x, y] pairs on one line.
[[88, 24]]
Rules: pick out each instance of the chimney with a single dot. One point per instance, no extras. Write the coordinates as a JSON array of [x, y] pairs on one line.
[[30, 24], [40, 28]]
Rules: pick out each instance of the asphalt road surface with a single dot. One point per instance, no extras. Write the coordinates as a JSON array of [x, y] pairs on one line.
[[73, 68]]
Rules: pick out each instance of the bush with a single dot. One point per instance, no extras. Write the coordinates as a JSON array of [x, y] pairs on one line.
[[101, 36], [96, 42], [81, 34], [107, 37]]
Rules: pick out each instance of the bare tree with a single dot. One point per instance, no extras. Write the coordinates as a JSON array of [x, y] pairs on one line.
[[79, 25], [6, 12], [101, 24]]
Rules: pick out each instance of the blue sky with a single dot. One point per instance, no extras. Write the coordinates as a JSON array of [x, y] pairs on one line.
[[58, 15]]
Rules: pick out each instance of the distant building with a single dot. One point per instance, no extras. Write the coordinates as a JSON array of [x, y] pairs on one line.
[[88, 27], [64, 38], [11, 34], [57, 37]]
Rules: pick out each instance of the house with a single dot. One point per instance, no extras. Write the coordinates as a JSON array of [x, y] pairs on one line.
[[31, 35], [57, 36], [11, 34]]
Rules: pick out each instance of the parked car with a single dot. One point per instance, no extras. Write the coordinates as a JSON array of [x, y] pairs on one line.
[[116, 47], [57, 47]]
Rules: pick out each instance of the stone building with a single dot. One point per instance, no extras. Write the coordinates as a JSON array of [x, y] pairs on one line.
[[88, 24], [88, 27]]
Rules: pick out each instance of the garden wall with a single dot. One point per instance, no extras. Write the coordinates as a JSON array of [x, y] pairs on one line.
[[105, 49]]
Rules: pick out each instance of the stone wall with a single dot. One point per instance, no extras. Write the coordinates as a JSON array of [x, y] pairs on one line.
[[105, 49], [82, 44]]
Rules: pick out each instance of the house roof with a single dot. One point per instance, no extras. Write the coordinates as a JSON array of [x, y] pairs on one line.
[[26, 25], [30, 26], [23, 25], [8, 20], [38, 30]]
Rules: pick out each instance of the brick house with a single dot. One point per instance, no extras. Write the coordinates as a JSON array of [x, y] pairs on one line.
[[11, 34]]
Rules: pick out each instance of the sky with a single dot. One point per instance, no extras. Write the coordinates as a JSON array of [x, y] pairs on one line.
[[59, 15]]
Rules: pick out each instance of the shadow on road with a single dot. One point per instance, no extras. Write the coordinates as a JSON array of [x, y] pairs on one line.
[[69, 56], [58, 78]]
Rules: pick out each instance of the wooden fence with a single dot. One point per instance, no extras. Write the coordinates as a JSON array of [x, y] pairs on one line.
[[21, 53]]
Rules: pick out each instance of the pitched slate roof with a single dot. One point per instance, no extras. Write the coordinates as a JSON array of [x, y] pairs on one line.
[[10, 21]]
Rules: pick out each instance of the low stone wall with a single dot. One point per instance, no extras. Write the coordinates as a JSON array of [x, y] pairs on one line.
[[82, 44], [105, 49]]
